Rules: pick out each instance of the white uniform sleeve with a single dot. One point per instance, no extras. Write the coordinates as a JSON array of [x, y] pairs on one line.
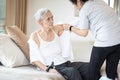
[[83, 21], [35, 54]]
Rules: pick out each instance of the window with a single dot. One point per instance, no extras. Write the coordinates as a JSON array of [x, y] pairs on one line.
[[110, 3], [2, 15], [115, 4]]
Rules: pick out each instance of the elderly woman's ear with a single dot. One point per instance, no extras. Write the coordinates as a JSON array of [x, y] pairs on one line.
[[39, 21]]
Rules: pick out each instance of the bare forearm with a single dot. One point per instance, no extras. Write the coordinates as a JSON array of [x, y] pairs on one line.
[[80, 32], [40, 65]]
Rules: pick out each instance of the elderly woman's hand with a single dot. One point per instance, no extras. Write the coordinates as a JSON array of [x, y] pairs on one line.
[[53, 71]]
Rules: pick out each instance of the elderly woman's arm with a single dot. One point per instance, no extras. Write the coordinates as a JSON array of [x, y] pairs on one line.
[[35, 57]]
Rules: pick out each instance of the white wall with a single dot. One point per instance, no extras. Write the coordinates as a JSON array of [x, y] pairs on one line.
[[62, 10]]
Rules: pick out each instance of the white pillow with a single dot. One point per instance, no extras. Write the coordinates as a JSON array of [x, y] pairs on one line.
[[10, 53]]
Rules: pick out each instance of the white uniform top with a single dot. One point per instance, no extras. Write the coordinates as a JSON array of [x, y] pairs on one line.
[[48, 51], [102, 22]]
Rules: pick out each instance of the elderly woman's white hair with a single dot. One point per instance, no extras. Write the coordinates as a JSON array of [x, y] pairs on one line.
[[39, 14]]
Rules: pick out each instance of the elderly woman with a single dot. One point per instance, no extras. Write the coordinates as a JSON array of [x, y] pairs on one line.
[[45, 48]]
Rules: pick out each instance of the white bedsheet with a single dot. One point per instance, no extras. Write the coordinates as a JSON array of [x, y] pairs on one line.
[[31, 73], [26, 73]]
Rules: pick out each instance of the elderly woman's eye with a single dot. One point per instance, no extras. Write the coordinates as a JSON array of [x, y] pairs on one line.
[[48, 19], [52, 18]]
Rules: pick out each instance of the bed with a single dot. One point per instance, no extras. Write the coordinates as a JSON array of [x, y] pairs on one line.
[[29, 72], [26, 73]]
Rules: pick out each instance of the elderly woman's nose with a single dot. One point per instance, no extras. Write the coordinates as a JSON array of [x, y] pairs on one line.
[[51, 19]]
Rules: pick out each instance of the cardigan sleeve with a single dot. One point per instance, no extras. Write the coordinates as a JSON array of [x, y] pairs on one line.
[[35, 53]]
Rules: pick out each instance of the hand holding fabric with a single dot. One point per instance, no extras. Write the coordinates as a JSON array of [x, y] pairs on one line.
[[66, 26]]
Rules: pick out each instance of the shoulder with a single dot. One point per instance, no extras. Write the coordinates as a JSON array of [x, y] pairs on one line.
[[58, 29], [34, 37]]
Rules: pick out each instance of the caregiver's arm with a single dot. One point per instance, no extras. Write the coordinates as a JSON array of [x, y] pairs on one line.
[[80, 32]]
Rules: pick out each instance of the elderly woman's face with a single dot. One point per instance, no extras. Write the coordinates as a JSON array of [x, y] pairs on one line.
[[48, 20]]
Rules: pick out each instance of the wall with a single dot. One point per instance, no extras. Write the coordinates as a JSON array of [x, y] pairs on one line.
[[62, 10], [119, 9]]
